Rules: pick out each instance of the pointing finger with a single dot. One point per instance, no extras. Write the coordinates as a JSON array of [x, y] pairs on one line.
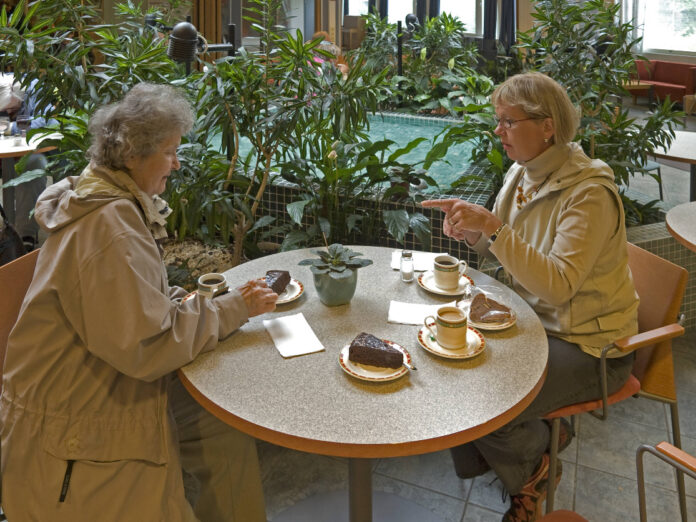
[[443, 204]]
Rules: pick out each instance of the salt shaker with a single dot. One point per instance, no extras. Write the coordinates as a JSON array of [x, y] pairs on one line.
[[406, 266]]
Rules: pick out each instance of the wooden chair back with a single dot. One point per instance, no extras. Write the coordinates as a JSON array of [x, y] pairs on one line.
[[660, 285], [15, 278]]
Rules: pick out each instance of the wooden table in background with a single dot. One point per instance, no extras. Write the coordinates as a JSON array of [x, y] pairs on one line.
[[681, 223], [683, 149], [308, 403]]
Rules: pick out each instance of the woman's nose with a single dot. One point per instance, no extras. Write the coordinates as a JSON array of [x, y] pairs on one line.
[[175, 164]]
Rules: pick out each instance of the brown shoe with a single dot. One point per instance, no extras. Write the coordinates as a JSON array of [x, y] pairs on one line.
[[527, 505]]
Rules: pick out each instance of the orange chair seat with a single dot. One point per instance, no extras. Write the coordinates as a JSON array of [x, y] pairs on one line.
[[631, 387]]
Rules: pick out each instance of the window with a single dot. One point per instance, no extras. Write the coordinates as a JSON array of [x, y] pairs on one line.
[[357, 7], [468, 11], [667, 25], [398, 9]]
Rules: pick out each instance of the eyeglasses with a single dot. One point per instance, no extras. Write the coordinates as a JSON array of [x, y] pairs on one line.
[[507, 122]]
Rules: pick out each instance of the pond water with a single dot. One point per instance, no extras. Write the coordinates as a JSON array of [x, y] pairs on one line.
[[404, 128]]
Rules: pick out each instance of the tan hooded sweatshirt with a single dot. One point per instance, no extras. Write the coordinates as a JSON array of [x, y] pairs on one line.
[[89, 361]]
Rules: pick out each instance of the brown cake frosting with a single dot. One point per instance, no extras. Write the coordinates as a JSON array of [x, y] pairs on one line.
[[486, 310], [278, 280], [367, 349]]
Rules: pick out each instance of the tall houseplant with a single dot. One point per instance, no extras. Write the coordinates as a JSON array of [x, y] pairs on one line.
[[584, 48]]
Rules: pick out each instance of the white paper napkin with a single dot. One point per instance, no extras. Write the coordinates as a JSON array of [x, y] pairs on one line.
[[412, 313], [292, 335], [422, 261]]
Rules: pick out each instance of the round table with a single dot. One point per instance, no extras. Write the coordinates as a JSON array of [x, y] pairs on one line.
[[680, 223], [309, 403]]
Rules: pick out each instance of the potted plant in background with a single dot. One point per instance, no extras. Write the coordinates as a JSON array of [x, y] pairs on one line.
[[335, 273]]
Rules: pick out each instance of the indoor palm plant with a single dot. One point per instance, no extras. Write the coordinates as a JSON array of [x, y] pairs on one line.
[[335, 272]]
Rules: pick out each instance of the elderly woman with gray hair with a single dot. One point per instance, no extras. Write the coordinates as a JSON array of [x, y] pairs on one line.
[[557, 227], [95, 424]]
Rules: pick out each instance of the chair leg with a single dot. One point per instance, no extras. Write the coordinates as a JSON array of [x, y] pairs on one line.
[[676, 436], [659, 173], [553, 464]]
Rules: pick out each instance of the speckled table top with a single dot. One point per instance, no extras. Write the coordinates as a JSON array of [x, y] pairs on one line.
[[309, 403]]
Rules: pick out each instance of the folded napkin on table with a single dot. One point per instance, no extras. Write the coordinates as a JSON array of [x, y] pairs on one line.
[[422, 261], [412, 313], [292, 335]]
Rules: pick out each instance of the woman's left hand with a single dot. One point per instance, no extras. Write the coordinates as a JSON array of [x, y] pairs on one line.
[[463, 218]]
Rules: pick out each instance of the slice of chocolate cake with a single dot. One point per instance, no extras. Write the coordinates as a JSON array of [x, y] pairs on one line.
[[486, 310], [367, 349], [277, 280]]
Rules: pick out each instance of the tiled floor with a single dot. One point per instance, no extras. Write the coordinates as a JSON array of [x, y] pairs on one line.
[[599, 470]]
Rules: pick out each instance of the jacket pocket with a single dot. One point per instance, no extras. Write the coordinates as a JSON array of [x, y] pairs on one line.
[[105, 440]]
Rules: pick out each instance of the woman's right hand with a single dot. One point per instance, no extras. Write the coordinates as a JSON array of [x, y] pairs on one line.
[[258, 296]]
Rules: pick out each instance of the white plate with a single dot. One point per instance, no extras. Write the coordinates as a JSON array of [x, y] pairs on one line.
[[475, 344], [367, 372], [427, 281], [293, 291]]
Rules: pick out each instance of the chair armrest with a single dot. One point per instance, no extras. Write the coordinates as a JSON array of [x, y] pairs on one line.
[[677, 455], [633, 342]]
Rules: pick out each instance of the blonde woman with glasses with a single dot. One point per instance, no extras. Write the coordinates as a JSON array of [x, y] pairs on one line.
[[557, 227]]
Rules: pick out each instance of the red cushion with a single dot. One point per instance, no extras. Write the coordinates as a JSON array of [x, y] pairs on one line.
[[671, 72], [631, 387]]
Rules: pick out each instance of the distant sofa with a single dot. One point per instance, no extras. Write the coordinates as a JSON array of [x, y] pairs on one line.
[[673, 79]]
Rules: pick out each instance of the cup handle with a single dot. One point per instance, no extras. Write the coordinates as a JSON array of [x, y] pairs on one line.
[[462, 267], [430, 327]]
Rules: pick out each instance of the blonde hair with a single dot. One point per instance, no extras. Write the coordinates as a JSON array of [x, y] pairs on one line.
[[539, 96]]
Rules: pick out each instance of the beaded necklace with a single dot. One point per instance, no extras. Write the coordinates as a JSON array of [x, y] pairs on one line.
[[522, 198]]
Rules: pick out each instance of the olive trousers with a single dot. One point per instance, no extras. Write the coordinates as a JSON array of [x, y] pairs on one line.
[[515, 450]]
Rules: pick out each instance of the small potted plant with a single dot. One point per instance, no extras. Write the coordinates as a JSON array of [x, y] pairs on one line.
[[335, 273]]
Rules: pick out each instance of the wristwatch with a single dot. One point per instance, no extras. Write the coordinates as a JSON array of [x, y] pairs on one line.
[[495, 234]]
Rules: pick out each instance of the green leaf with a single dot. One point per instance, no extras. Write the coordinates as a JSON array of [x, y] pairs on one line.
[[296, 210], [397, 223]]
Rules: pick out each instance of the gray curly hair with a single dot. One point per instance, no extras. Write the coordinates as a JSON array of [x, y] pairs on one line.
[[135, 126]]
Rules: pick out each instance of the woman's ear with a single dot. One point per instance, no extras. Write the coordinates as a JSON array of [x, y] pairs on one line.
[[549, 128]]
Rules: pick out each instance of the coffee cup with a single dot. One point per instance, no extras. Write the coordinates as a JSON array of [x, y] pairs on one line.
[[447, 270], [449, 327], [212, 284]]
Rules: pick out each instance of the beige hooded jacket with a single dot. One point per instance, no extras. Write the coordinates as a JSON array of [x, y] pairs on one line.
[[566, 249], [90, 358]]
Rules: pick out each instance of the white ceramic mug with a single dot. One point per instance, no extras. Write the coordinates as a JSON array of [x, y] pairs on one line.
[[447, 270], [212, 284], [450, 327]]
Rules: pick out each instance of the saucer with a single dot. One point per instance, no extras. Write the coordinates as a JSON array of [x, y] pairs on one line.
[[475, 344], [427, 281], [367, 372], [293, 291]]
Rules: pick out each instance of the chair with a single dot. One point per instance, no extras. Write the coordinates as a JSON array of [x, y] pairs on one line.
[[353, 31], [653, 369], [15, 277], [649, 167], [681, 460]]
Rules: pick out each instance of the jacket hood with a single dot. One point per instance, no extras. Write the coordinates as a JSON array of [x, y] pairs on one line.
[[72, 198]]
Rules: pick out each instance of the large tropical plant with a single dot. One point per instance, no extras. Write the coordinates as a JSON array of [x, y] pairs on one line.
[[586, 49]]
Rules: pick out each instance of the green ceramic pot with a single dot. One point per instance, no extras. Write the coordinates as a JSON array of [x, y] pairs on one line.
[[335, 292]]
